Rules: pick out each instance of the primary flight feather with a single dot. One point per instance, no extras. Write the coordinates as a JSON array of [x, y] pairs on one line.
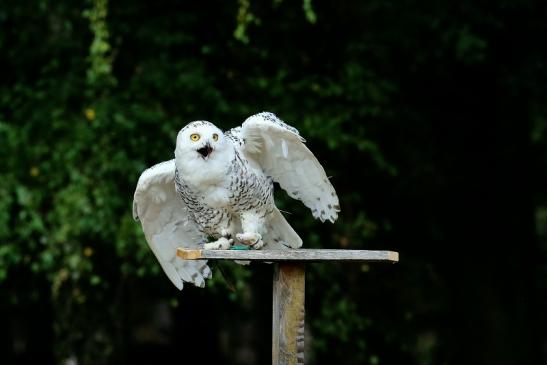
[[221, 185]]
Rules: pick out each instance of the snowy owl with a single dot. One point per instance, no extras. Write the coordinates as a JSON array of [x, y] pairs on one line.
[[220, 187]]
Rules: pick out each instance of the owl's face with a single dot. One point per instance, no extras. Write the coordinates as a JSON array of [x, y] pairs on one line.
[[201, 140]]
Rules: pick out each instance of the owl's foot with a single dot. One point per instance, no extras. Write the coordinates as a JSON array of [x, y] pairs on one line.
[[251, 239], [221, 244], [258, 245]]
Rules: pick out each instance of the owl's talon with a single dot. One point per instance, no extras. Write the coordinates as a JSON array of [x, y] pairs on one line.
[[250, 239], [221, 244], [258, 245]]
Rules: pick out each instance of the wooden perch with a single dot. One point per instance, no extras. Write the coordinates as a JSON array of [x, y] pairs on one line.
[[289, 288], [304, 254]]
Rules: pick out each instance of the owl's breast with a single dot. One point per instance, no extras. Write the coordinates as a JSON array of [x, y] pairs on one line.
[[217, 197]]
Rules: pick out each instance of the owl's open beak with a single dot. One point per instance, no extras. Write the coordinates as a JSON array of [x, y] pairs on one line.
[[205, 151]]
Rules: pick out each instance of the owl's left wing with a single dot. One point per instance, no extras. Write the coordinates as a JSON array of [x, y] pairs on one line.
[[167, 224], [279, 149]]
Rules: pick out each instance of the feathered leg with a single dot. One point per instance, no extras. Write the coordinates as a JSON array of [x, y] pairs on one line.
[[253, 228], [225, 241]]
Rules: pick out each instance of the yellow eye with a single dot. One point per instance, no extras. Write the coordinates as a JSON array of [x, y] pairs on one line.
[[195, 137], [215, 137]]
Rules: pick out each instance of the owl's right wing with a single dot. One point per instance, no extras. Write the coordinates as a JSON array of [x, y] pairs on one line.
[[167, 224]]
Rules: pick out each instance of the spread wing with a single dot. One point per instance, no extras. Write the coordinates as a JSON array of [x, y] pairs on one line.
[[279, 149], [167, 224]]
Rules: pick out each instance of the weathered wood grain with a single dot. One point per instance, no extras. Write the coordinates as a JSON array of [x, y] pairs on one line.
[[308, 255], [288, 314]]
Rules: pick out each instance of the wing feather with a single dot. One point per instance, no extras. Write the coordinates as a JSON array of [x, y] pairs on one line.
[[280, 150], [167, 225]]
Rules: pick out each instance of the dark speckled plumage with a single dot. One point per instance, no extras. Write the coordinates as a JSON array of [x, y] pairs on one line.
[[248, 192]]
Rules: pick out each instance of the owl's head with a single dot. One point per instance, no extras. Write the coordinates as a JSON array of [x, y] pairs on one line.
[[200, 140]]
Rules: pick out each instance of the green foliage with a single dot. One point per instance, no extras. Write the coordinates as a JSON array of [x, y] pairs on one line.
[[308, 11], [100, 71], [246, 17]]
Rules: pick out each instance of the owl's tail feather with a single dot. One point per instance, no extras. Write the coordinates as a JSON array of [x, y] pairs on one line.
[[280, 233]]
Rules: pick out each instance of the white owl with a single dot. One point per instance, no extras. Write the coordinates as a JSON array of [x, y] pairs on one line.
[[220, 185]]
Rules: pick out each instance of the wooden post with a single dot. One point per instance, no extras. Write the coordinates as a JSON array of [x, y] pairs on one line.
[[288, 314], [289, 288]]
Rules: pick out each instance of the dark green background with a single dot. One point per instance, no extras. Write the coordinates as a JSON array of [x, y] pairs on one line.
[[429, 116]]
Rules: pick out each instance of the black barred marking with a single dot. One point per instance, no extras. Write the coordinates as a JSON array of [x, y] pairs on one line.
[[197, 123], [271, 117], [233, 136], [248, 192]]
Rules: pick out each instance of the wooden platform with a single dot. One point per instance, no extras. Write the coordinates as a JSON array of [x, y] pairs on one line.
[[301, 254]]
